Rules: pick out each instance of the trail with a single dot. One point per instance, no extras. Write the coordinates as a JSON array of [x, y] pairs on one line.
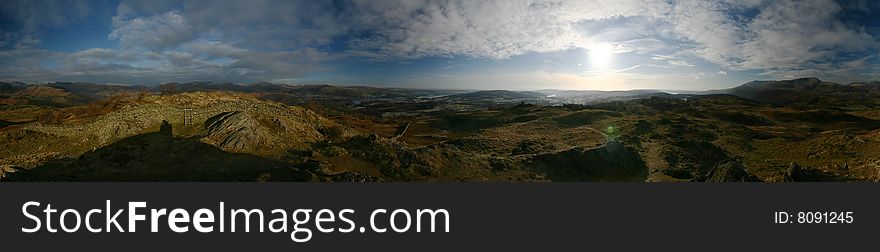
[[402, 132]]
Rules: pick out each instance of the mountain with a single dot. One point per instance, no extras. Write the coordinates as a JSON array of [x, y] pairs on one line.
[[804, 92], [160, 156], [94, 90], [176, 87], [871, 86], [63, 94], [11, 87], [269, 131], [232, 122], [47, 95]]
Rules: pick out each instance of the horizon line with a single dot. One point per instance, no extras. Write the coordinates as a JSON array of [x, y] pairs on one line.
[[412, 88]]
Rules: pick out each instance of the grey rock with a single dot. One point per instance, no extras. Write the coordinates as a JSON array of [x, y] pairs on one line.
[[730, 171]]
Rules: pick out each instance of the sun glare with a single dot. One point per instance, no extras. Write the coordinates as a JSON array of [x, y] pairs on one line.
[[600, 56]]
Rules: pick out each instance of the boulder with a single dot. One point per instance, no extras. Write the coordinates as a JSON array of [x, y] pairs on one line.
[[610, 162], [235, 132], [730, 171], [795, 172]]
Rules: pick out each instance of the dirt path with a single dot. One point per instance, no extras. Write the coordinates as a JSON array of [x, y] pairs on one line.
[[403, 131]]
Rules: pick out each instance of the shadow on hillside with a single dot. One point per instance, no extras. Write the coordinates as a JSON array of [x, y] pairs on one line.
[[816, 175], [4, 123], [158, 156]]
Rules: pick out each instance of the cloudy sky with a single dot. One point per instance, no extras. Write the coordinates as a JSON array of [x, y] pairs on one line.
[[510, 44]]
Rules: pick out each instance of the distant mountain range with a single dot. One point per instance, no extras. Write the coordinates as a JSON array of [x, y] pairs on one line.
[[499, 94], [796, 92], [804, 92]]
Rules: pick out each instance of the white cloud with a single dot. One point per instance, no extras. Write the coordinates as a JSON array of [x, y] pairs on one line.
[[24, 64], [784, 36], [672, 60], [791, 35], [163, 31], [783, 39], [200, 60], [264, 39], [484, 29]]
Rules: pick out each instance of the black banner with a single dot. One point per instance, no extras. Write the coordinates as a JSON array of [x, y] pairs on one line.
[[482, 216]]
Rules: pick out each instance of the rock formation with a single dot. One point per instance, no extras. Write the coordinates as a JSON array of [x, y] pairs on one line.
[[612, 161], [730, 171], [235, 132]]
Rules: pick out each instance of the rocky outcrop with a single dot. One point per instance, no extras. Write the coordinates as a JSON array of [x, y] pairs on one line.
[[353, 177], [798, 173], [730, 171], [135, 118], [610, 162], [158, 156], [877, 176], [260, 133], [795, 172], [6, 169], [235, 132]]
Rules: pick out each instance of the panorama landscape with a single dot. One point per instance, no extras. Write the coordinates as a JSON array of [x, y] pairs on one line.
[[792, 130], [393, 91]]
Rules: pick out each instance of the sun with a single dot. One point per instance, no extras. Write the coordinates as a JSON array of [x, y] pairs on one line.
[[600, 56]]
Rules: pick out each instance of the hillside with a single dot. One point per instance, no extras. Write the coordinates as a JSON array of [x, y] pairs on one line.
[[280, 127], [807, 92], [794, 130]]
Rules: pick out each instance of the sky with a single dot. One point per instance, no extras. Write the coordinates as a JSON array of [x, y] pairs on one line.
[[454, 44]]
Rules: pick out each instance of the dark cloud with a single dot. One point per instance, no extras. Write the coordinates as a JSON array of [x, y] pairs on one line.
[[255, 23], [21, 20]]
